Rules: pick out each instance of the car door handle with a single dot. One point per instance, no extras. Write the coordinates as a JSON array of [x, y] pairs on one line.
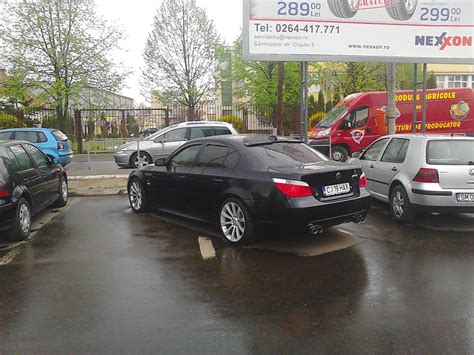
[[394, 169], [372, 166], [220, 181]]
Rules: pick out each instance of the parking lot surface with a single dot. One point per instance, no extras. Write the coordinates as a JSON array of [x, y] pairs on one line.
[[98, 278]]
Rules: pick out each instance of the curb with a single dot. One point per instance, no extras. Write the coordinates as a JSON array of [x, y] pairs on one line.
[[98, 192], [96, 177]]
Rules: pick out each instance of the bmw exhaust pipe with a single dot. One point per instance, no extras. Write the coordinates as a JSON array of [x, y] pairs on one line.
[[315, 229], [359, 219]]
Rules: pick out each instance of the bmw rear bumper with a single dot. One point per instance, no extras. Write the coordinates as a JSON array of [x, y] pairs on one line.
[[303, 211]]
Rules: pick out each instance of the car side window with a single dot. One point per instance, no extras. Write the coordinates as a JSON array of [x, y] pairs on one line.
[[216, 156], [5, 135], [396, 151], [42, 137], [22, 157], [221, 131], [360, 117], [14, 165], [176, 135], [373, 152], [186, 157], [28, 136], [38, 156], [198, 132]]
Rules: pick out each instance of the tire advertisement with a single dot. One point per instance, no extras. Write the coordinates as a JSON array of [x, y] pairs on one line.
[[430, 31]]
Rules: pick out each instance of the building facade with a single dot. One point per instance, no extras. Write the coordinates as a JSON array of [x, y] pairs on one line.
[[453, 75]]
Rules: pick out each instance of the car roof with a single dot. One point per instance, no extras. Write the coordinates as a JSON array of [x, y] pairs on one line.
[[200, 123], [33, 129], [248, 140], [4, 143]]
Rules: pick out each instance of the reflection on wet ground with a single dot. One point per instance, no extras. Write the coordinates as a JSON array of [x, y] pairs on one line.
[[102, 279]]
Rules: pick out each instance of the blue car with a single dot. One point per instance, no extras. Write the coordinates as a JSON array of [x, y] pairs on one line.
[[52, 142]]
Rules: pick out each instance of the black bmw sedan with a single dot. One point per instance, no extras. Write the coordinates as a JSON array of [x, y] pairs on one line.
[[242, 182], [29, 182]]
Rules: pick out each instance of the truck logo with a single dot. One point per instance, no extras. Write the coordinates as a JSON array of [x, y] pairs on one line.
[[443, 41], [460, 111], [358, 135], [471, 172]]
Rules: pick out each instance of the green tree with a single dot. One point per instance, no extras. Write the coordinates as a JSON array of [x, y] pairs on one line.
[[180, 54], [259, 84], [350, 77], [321, 102], [431, 82], [60, 47]]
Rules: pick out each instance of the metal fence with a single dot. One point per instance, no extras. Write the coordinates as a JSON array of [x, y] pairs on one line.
[[103, 130]]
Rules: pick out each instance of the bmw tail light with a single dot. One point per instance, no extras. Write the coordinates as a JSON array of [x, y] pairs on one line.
[[362, 181], [427, 175], [293, 188]]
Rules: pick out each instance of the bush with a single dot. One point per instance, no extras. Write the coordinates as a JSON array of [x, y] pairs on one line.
[[315, 118], [9, 121], [237, 122]]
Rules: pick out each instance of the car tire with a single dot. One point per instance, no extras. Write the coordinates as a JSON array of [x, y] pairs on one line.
[[63, 193], [236, 222], [343, 8], [339, 153], [402, 10], [137, 196], [21, 227], [146, 159], [400, 205]]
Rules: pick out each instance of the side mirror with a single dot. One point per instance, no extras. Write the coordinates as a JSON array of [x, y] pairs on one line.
[[160, 162], [54, 161]]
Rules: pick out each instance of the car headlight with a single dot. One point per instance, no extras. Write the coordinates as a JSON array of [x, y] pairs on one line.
[[324, 133]]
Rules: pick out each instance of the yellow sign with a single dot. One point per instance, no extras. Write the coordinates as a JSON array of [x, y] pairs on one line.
[[434, 96], [429, 126]]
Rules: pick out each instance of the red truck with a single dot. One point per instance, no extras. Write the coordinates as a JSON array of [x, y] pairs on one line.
[[359, 119]]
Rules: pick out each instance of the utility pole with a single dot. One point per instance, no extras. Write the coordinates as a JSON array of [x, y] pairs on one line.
[[392, 112], [281, 80]]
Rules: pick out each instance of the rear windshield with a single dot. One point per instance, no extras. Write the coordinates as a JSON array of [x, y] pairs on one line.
[[450, 152], [60, 136], [286, 154]]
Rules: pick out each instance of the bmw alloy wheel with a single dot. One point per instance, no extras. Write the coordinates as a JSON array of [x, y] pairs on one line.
[[135, 194], [232, 222]]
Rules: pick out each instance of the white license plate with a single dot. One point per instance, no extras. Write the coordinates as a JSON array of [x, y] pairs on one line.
[[334, 190], [465, 197]]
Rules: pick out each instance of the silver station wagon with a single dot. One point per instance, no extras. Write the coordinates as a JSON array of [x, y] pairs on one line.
[[420, 173], [167, 140]]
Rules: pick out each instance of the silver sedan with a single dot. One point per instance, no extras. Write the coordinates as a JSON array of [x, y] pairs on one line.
[[420, 173], [166, 141]]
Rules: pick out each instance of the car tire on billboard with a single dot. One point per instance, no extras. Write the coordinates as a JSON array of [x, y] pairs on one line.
[[343, 8], [401, 10]]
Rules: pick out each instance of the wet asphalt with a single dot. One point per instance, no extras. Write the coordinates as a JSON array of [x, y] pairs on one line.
[[100, 279]]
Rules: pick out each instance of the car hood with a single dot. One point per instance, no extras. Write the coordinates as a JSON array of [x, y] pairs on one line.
[[133, 145]]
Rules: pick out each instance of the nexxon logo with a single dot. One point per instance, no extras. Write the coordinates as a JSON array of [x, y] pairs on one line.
[[443, 41]]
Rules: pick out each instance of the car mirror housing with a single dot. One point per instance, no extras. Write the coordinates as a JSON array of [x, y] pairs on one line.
[[160, 162], [54, 160]]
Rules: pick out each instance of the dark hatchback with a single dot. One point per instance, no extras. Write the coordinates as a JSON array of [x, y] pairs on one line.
[[29, 182], [241, 182]]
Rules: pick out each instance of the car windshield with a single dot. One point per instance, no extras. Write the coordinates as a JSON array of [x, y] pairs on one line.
[[286, 154], [332, 117], [154, 135], [450, 152]]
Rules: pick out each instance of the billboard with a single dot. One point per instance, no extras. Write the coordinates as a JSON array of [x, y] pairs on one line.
[[423, 31]]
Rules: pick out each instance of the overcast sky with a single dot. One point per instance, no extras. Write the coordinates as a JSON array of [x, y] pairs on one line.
[[137, 18]]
